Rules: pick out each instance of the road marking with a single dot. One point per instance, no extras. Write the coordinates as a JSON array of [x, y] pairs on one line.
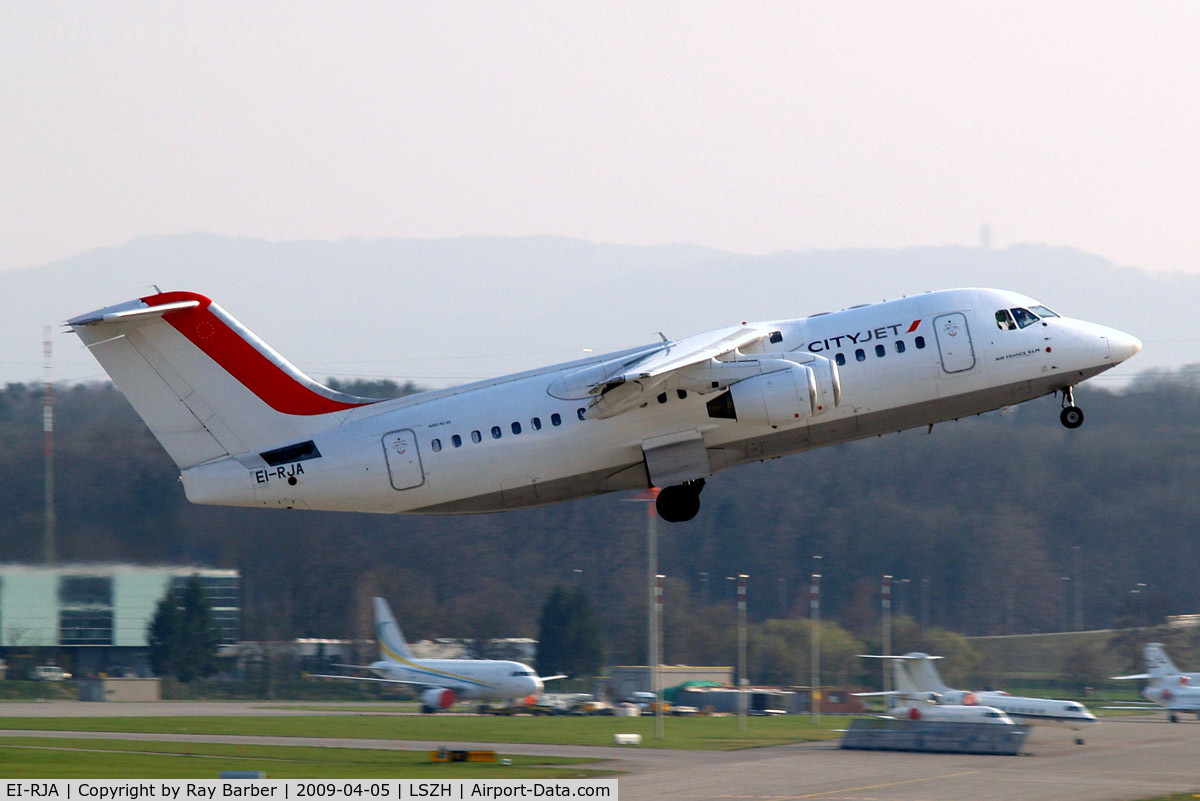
[[885, 784]]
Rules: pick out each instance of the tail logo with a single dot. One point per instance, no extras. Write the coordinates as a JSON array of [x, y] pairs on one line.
[[276, 382]]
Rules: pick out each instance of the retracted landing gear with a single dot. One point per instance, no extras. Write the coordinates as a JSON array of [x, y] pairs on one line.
[[1072, 415], [680, 502]]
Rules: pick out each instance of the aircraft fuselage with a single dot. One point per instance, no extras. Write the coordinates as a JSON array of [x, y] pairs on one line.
[[540, 436]]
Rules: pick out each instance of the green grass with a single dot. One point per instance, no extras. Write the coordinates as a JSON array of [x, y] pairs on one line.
[[705, 733], [14, 690], [69, 758]]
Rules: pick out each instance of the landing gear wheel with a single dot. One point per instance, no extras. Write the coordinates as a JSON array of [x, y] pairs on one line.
[[1071, 417], [1173, 718], [679, 503], [1078, 741]]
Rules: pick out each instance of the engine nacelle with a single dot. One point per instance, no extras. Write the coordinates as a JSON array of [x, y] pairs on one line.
[[437, 698], [804, 386], [775, 400]]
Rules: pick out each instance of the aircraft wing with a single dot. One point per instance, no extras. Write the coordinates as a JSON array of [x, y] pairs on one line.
[[1131, 677], [691, 350], [629, 387], [554, 677], [368, 678]]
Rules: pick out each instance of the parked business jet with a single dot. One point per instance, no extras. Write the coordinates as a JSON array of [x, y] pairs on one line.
[[442, 682], [931, 706], [916, 679], [1169, 687], [246, 428]]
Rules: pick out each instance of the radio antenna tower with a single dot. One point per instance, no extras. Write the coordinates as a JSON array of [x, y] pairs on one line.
[[48, 429]]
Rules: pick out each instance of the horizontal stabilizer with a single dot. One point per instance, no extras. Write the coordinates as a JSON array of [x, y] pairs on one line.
[[910, 657]]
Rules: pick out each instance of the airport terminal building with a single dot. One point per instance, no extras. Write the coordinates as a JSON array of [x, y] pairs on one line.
[[98, 613]]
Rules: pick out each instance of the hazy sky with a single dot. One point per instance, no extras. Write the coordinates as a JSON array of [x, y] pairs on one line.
[[747, 126]]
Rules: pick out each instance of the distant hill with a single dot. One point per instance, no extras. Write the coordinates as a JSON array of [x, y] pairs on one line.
[[449, 310]]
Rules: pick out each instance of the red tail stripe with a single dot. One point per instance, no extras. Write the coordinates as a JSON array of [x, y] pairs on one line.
[[271, 383], [913, 327]]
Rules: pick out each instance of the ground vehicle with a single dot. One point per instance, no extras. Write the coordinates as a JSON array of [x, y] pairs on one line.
[[48, 673]]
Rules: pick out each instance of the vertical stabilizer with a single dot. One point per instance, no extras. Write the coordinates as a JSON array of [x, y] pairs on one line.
[[902, 682], [924, 674], [1158, 664], [204, 384], [392, 647]]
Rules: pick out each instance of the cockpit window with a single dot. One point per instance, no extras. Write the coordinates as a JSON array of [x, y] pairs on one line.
[[1042, 311], [1005, 321], [1024, 317]]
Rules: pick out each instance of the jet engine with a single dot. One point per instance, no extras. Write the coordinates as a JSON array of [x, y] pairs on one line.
[[784, 397], [775, 400], [436, 698]]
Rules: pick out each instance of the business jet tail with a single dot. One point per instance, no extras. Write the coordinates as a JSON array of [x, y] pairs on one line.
[[204, 384]]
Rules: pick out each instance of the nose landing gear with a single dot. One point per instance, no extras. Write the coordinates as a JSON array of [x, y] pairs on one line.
[[679, 503], [1072, 415]]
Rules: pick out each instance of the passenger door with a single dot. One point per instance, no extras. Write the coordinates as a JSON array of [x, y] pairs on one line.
[[954, 342]]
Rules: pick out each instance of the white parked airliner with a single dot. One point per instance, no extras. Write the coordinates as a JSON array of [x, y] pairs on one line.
[[246, 428], [442, 682]]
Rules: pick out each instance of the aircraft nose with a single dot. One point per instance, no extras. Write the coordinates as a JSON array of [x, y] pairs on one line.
[[1121, 346]]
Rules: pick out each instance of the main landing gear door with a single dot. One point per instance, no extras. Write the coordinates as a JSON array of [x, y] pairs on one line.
[[954, 342], [403, 460]]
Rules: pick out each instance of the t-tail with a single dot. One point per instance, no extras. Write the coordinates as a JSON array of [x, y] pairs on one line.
[[392, 647], [206, 387]]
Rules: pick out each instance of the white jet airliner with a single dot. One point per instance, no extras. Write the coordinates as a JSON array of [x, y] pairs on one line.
[[1168, 687], [246, 428], [917, 679], [442, 682]]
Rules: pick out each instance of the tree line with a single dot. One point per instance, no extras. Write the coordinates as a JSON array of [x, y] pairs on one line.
[[1001, 524]]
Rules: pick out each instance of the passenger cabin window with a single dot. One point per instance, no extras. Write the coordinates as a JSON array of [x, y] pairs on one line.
[[880, 350], [1024, 317], [840, 359], [681, 394], [1005, 321], [476, 437], [436, 445], [580, 413], [536, 423], [516, 428], [860, 355], [662, 398], [919, 342], [899, 346], [496, 432], [556, 419], [456, 440]]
